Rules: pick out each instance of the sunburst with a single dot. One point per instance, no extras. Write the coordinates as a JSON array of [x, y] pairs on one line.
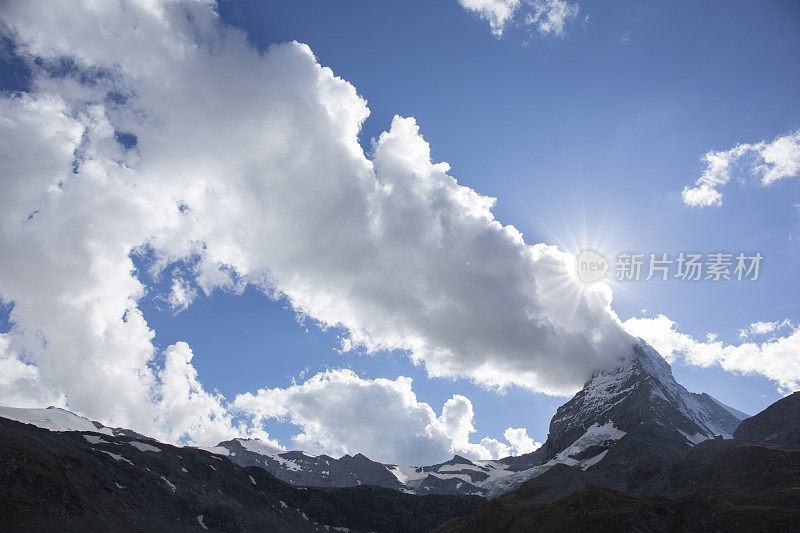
[[595, 233]]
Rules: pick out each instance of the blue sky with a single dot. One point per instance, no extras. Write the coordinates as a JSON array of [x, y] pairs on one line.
[[585, 138]]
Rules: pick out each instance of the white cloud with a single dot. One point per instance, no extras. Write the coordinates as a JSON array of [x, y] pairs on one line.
[[764, 328], [775, 358], [520, 441], [338, 412], [19, 381], [767, 161], [549, 17], [182, 294], [496, 12], [193, 413], [247, 166], [546, 17]]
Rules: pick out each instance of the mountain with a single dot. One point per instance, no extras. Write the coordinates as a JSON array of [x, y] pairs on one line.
[[633, 415], [300, 468], [642, 388], [778, 424], [90, 480], [632, 450], [716, 485], [459, 475], [635, 406], [57, 419], [623, 418]]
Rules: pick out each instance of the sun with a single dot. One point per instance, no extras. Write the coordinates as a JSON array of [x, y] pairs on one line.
[[592, 241]]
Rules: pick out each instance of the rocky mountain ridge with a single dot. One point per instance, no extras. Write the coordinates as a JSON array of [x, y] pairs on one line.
[[637, 463], [95, 481], [639, 392], [639, 400]]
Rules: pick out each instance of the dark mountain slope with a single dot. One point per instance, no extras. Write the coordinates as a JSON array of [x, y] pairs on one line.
[[600, 509], [86, 481], [735, 470], [777, 424], [646, 448], [718, 484]]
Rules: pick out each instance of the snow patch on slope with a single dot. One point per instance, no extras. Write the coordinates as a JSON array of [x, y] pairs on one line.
[[288, 463], [694, 439], [594, 436], [494, 469], [117, 457], [408, 475], [171, 485], [143, 446], [53, 419], [260, 447], [216, 450], [594, 460]]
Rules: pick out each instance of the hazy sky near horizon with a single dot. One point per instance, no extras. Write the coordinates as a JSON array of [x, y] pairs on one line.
[[272, 249]]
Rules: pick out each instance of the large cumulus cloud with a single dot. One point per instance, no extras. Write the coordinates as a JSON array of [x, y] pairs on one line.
[[380, 417], [247, 168]]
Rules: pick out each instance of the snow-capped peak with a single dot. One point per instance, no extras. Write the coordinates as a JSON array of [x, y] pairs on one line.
[[639, 389]]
